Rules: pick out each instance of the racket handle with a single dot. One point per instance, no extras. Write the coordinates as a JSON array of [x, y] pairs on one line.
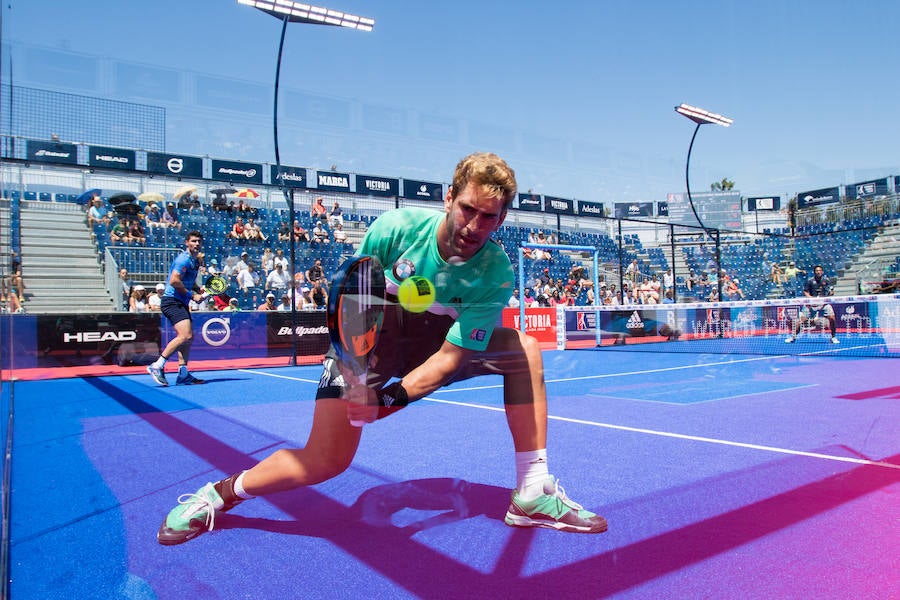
[[357, 423]]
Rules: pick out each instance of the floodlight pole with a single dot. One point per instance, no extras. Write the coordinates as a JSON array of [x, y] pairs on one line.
[[702, 117], [288, 11]]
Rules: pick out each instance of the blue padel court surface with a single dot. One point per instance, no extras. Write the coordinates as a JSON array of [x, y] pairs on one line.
[[721, 476]]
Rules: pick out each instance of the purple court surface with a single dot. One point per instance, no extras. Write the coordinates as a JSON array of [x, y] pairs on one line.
[[721, 476]]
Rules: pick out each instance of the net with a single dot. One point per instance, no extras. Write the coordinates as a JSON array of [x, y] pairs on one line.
[[867, 326]]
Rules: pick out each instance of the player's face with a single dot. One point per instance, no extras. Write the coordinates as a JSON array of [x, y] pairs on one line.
[[818, 272], [472, 217], [194, 244]]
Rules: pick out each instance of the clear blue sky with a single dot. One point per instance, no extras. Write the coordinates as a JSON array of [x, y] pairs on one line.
[[579, 96]]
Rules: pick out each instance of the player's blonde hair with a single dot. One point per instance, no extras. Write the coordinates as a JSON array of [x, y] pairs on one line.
[[489, 172]]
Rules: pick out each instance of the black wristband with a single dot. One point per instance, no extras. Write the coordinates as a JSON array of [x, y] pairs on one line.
[[393, 395]]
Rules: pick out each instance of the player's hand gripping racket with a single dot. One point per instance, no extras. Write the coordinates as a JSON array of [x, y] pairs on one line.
[[356, 313], [215, 285]]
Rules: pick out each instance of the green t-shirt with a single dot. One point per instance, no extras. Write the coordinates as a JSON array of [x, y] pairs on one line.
[[470, 295]]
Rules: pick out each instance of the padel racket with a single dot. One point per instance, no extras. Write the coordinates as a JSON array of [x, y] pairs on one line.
[[215, 285], [356, 312]]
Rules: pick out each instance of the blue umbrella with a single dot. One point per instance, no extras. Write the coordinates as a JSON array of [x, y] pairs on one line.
[[86, 196]]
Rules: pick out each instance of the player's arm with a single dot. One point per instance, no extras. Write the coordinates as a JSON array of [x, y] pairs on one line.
[[181, 289]]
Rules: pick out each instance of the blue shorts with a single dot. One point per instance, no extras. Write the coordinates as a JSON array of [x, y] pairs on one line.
[[174, 310]]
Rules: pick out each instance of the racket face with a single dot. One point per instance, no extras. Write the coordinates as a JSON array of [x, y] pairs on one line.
[[215, 284], [356, 310]]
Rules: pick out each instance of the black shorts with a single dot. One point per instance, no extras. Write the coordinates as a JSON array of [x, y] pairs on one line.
[[174, 310]]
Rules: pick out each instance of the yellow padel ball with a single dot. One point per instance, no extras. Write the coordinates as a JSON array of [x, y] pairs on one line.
[[416, 294]]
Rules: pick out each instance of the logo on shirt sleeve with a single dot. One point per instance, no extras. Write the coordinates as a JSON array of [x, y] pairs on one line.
[[478, 335]]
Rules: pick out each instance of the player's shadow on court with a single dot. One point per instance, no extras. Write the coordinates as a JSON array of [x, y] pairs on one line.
[[402, 508]]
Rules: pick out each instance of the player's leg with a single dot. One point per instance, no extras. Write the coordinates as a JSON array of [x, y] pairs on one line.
[[328, 452], [180, 317], [185, 332], [828, 310], [802, 318], [538, 500]]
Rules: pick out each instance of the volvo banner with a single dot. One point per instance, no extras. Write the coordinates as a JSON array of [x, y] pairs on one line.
[[559, 205], [175, 164], [51, 152], [530, 202], [377, 186], [422, 190], [294, 177], [333, 181], [111, 158], [817, 197], [237, 173]]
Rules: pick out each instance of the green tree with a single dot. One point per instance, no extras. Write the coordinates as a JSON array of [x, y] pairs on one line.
[[725, 185]]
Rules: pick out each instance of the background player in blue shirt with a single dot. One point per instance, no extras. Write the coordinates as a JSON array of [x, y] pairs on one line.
[[174, 305]]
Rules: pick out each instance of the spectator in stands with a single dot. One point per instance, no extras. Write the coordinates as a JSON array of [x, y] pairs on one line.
[[300, 233], [316, 272], [669, 297], [170, 217], [190, 202], [237, 230], [220, 203], [336, 215], [340, 236], [731, 289], [281, 259], [138, 301], [244, 208], [319, 295], [119, 233], [248, 278], [633, 271], [318, 210], [98, 214], [136, 232], [887, 286], [125, 285], [267, 261], [514, 299], [153, 216], [300, 292], [253, 232], [233, 306], [284, 232], [269, 303], [691, 280], [278, 279], [703, 283], [668, 280], [285, 304], [792, 272], [155, 297], [320, 234], [213, 268], [713, 294], [15, 286], [776, 274]]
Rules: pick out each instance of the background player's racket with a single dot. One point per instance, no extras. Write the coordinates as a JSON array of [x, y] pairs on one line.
[[356, 312], [215, 285]]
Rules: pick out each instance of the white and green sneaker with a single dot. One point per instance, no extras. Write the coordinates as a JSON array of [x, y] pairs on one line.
[[554, 510], [194, 514]]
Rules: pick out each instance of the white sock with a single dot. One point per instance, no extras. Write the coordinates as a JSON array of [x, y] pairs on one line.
[[159, 363], [531, 471], [239, 487]]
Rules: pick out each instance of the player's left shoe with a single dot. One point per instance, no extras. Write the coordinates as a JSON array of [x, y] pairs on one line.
[[188, 379], [834, 340], [554, 510]]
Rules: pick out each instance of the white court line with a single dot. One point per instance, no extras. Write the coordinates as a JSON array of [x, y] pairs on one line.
[[681, 436], [255, 372], [693, 438]]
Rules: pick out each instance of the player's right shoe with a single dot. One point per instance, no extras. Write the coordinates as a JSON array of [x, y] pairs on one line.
[[554, 510], [790, 339], [158, 375], [194, 514], [188, 379]]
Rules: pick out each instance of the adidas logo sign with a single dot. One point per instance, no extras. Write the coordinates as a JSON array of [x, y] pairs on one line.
[[634, 321]]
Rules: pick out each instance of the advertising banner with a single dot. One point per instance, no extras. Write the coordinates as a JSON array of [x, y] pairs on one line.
[[590, 209], [422, 190], [332, 181], [51, 152], [113, 338], [629, 210], [294, 177], [111, 158], [559, 205], [377, 186], [764, 203], [530, 202], [312, 333], [237, 173], [868, 189], [817, 197], [175, 164], [540, 323]]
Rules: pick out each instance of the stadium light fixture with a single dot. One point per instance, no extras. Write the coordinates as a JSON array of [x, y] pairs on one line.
[[288, 11], [701, 117]]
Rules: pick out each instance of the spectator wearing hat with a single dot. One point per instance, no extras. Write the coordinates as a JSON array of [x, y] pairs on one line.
[[98, 214], [233, 306], [170, 217], [285, 304], [269, 304], [153, 216], [278, 280], [792, 272], [138, 301], [155, 297], [213, 267], [248, 279]]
